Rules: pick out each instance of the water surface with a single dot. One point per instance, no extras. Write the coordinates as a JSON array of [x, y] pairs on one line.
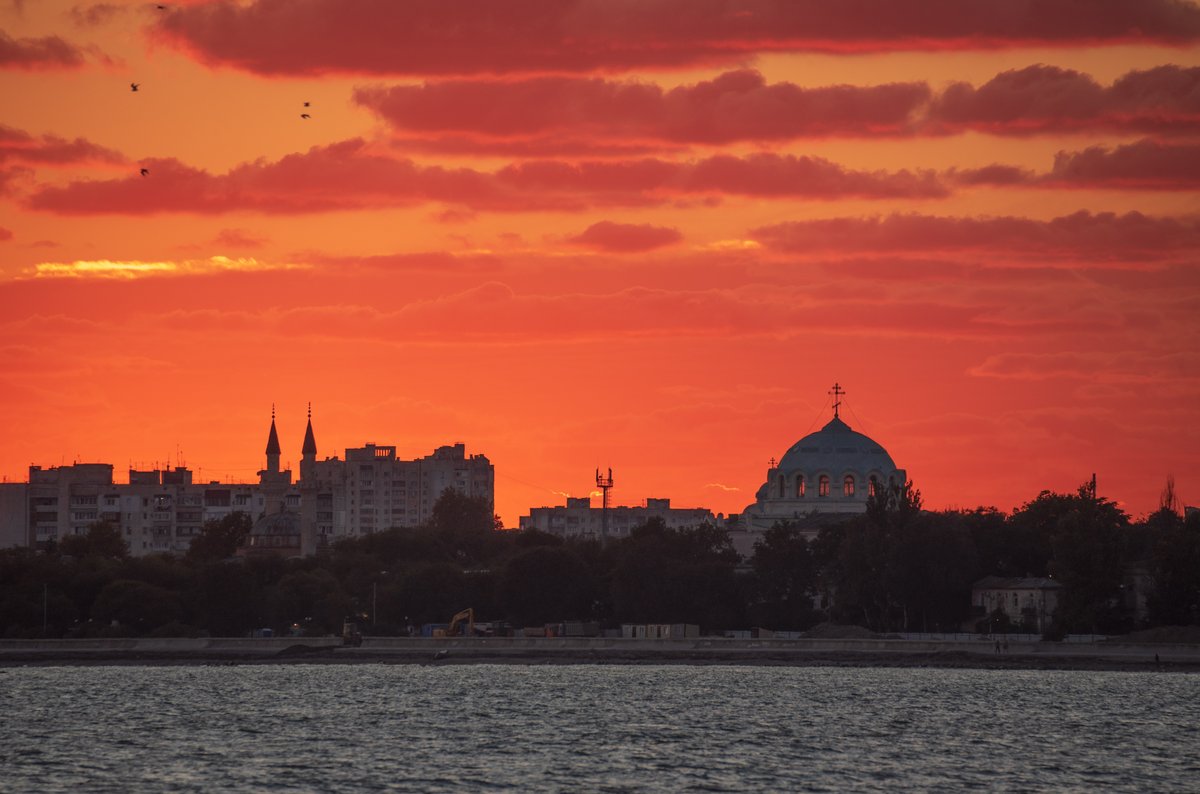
[[594, 728]]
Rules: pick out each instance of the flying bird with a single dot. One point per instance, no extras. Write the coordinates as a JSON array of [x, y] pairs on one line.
[[305, 104], [305, 116], [134, 86], [145, 172]]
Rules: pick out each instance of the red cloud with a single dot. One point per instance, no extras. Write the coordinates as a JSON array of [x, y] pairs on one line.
[[18, 145], [1108, 367], [626, 237], [348, 175], [97, 14], [8, 177], [1098, 237], [787, 175], [575, 114], [754, 175], [340, 176], [995, 174], [735, 106], [5, 234], [1043, 98], [479, 36], [237, 238], [1145, 164], [49, 52]]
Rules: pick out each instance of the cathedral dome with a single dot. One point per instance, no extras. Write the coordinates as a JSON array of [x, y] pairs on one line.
[[822, 478], [836, 448]]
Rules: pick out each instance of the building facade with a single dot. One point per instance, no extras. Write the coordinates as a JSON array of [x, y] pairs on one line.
[[1028, 601], [578, 519], [160, 511]]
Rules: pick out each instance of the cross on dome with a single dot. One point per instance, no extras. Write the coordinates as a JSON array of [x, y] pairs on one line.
[[837, 391]]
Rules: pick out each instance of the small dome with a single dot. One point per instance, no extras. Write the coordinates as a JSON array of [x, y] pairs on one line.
[[285, 522], [836, 448]]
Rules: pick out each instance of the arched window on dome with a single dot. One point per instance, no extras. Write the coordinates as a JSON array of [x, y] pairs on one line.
[[800, 486], [782, 485], [848, 485], [873, 486], [823, 486]]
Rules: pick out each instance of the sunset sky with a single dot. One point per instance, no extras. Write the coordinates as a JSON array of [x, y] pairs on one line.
[[645, 234]]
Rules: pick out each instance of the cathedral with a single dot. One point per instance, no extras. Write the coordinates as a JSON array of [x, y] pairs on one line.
[[822, 478]]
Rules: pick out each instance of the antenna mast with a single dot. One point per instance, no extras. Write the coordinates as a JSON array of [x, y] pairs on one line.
[[605, 484]]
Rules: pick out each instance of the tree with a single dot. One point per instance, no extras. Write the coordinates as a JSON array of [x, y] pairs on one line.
[[140, 606], [224, 600], [220, 538], [465, 524], [932, 567], [1175, 568], [662, 575], [1087, 537], [785, 578], [312, 599], [894, 505], [431, 593], [102, 540], [546, 583]]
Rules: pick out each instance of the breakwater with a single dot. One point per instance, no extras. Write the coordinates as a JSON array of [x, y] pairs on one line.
[[1109, 654]]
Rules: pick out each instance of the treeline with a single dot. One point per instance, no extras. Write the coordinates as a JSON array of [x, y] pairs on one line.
[[895, 568]]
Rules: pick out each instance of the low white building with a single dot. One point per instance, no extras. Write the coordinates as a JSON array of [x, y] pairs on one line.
[[1030, 600], [578, 519]]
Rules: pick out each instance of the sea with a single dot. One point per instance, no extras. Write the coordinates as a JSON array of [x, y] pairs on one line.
[[585, 728]]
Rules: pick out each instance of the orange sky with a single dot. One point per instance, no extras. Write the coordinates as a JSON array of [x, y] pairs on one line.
[[643, 235]]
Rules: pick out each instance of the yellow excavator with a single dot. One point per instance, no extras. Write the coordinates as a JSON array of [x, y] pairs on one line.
[[467, 616]]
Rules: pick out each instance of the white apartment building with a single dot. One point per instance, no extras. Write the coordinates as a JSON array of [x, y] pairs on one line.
[[161, 511], [578, 519]]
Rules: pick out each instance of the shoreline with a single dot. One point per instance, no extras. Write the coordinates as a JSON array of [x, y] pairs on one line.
[[560, 651]]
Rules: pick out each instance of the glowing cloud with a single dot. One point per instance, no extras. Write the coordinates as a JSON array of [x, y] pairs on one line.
[[104, 268]]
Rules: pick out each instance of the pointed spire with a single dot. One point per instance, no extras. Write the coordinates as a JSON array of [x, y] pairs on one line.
[[273, 438], [310, 441]]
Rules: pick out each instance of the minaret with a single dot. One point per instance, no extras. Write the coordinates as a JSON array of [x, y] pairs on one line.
[[308, 491], [273, 446], [271, 480], [309, 450]]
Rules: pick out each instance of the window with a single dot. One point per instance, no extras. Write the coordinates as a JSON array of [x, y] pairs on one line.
[[823, 486], [781, 482], [873, 486], [800, 485], [848, 486]]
